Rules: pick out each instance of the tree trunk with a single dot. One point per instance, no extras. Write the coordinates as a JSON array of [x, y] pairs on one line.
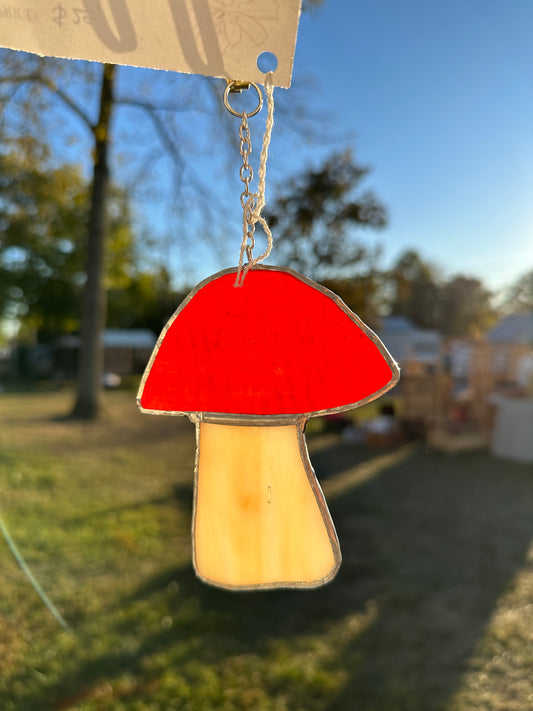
[[90, 364]]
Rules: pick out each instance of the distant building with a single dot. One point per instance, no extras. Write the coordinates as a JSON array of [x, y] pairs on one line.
[[126, 351], [511, 341], [516, 328], [414, 348]]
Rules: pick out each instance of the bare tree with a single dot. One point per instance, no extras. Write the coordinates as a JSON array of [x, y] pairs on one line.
[[94, 295], [31, 88]]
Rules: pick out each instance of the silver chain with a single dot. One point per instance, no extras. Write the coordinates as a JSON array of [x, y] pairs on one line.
[[246, 174], [252, 203]]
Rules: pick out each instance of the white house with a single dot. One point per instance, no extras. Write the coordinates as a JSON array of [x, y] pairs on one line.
[[409, 344], [126, 351], [511, 341]]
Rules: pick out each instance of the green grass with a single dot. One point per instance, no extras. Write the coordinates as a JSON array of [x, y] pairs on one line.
[[432, 609]]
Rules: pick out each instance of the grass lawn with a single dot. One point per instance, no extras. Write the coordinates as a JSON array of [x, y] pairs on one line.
[[432, 608]]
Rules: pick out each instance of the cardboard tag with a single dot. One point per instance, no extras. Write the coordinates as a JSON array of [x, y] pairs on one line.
[[219, 38]]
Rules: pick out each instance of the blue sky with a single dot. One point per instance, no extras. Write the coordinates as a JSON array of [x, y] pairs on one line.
[[437, 97]]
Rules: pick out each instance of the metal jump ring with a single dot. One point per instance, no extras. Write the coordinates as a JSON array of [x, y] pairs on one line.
[[231, 88]]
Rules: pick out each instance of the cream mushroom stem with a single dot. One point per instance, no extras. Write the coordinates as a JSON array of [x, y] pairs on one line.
[[260, 517]]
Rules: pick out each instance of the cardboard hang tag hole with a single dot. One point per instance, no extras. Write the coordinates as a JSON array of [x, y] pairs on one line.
[[219, 38]]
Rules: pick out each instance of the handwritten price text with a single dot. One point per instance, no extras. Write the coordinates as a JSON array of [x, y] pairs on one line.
[[75, 16]]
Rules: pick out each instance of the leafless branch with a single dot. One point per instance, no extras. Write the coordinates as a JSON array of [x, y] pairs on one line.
[[159, 107], [51, 86]]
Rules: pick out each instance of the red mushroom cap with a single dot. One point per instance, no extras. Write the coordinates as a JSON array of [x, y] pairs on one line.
[[277, 345]]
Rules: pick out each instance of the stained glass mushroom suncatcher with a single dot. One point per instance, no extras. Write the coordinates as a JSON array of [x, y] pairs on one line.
[[249, 365]]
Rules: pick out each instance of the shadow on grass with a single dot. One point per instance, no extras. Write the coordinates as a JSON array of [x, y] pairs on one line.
[[435, 541], [338, 456], [180, 495], [431, 542]]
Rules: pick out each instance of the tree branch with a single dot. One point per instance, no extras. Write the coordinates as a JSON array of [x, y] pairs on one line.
[[149, 107], [54, 89]]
